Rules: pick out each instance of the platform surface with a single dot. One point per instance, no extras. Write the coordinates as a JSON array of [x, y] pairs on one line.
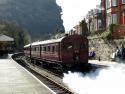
[[14, 79], [102, 62]]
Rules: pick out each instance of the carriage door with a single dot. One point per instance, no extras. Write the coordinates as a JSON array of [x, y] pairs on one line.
[[67, 53], [76, 51]]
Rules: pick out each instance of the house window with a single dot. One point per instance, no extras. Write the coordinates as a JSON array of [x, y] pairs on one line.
[[114, 18], [99, 24], [108, 3], [124, 17], [123, 1], [114, 2]]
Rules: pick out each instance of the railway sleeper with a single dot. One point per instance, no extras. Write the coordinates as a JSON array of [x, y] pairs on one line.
[[60, 92]]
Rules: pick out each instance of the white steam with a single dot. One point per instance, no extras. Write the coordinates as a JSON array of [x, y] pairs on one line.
[[75, 10], [103, 81]]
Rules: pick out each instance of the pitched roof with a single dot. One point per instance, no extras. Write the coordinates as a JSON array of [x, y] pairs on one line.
[[5, 38]]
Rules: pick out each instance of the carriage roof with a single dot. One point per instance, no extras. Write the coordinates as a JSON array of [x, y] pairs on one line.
[[44, 42]]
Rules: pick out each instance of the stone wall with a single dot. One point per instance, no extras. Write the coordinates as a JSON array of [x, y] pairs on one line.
[[104, 48]]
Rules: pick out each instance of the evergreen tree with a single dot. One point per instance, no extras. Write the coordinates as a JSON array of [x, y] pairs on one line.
[[84, 28], [21, 37]]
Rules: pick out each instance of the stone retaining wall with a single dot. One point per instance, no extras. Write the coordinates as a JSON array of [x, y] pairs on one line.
[[104, 48]]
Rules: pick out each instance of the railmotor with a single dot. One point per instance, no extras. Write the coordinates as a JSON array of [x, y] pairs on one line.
[[66, 51]]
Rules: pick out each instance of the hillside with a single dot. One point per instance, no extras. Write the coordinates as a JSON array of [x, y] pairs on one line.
[[39, 17]]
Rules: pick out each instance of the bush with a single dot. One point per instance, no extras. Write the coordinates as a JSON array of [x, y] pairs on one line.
[[109, 36]]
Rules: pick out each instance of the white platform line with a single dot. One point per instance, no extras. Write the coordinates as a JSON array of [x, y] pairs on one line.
[[36, 79]]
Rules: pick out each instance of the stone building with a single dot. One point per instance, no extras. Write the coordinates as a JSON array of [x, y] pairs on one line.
[[6, 43], [94, 20], [76, 30]]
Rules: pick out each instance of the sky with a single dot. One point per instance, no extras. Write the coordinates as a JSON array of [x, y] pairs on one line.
[[73, 11]]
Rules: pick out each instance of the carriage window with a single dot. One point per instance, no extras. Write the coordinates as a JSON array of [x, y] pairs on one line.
[[35, 49], [76, 45], [44, 48], [56, 48], [48, 48], [53, 48], [68, 46]]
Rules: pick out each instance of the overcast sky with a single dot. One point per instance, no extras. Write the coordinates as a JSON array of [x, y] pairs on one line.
[[75, 10]]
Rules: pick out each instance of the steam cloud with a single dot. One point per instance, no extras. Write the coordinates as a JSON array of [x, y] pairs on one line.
[[103, 81], [74, 11]]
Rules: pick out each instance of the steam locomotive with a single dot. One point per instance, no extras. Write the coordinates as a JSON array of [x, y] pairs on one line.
[[66, 51]]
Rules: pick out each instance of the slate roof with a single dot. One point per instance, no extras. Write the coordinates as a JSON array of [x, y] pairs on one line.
[[5, 38]]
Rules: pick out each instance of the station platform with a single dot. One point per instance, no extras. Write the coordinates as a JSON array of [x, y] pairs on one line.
[[14, 79], [107, 63]]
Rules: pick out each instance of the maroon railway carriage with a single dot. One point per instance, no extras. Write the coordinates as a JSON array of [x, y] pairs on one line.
[[68, 50]]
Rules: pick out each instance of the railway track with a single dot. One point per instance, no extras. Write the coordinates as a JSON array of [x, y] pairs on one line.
[[58, 88]]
